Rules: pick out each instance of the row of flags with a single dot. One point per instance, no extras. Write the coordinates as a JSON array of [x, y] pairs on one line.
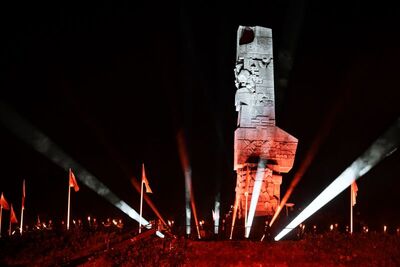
[[13, 218], [5, 206], [72, 183], [4, 203], [144, 181]]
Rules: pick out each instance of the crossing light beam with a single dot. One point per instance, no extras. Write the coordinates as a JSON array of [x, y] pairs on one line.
[[384, 146], [44, 145]]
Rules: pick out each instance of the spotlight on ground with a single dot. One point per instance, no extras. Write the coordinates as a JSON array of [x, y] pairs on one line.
[[384, 146], [159, 234], [41, 143]]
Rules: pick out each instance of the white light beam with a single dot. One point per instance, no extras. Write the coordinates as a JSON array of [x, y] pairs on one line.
[[384, 146], [41, 143]]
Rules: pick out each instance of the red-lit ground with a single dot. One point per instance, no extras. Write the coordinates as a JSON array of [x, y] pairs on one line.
[[91, 249]]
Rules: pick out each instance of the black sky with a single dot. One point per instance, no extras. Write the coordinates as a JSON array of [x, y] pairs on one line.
[[113, 83]]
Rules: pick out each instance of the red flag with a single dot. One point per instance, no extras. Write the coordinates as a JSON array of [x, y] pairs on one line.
[[13, 218], [72, 181], [23, 194], [3, 202], [145, 181], [354, 190]]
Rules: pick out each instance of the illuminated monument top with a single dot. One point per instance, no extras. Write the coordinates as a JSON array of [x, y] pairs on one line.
[[257, 139]]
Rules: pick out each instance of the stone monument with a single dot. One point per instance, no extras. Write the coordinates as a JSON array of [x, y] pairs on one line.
[[257, 138]]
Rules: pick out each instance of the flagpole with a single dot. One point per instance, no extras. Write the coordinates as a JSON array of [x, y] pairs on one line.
[[351, 209], [22, 207], [1, 214], [9, 229], [69, 204], [141, 206]]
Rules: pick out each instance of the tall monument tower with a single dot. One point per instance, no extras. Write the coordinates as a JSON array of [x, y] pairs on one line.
[[263, 151]]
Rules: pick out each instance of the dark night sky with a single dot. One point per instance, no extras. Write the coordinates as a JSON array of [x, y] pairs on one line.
[[112, 84]]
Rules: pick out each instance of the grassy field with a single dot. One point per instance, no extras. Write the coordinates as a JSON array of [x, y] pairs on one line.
[[329, 249], [332, 249]]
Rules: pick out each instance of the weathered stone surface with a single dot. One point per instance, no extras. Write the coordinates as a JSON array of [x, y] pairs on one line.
[[257, 138]]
